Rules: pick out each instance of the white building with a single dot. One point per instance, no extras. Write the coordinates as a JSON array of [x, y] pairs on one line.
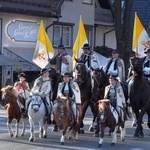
[[19, 22]]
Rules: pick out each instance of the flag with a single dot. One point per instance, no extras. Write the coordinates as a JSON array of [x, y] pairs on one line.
[[141, 41], [44, 48], [81, 39]]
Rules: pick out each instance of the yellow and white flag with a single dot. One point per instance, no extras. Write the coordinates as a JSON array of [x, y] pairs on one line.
[[141, 40], [44, 48], [81, 39]]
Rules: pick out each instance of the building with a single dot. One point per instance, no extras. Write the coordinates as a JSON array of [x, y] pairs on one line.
[[19, 23]]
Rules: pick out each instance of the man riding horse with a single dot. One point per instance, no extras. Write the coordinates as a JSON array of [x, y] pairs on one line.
[[42, 86], [114, 93], [71, 90]]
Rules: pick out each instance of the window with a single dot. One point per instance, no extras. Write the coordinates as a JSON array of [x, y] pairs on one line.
[[62, 35], [89, 34], [87, 1]]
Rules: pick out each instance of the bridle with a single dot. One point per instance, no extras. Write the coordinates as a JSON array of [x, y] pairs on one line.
[[37, 102]]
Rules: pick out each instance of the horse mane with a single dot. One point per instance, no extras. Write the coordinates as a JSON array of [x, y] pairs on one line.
[[11, 89]]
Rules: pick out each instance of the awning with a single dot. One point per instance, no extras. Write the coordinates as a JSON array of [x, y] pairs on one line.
[[5, 61], [25, 53]]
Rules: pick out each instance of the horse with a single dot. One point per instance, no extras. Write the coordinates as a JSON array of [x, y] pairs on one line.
[[109, 117], [37, 112], [99, 82], [64, 118], [9, 101], [139, 95], [84, 81]]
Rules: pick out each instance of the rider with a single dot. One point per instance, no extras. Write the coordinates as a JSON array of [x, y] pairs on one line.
[[23, 89], [63, 61], [71, 90], [146, 65], [42, 86], [114, 93], [115, 66], [90, 58]]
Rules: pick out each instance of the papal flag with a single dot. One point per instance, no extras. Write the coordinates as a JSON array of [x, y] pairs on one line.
[[141, 41], [81, 39], [44, 48]]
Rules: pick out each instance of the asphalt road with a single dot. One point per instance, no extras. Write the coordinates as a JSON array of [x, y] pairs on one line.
[[86, 141]]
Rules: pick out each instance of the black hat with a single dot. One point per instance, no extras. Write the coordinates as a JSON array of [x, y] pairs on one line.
[[22, 74], [116, 51], [67, 74], [86, 46], [147, 51], [115, 77], [44, 70], [61, 46]]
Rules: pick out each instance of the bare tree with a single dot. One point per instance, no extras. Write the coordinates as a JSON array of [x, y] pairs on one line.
[[122, 26]]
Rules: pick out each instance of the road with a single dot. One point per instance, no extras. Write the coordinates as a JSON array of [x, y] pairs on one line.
[[86, 141]]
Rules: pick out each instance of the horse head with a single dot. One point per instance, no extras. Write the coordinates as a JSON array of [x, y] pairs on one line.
[[99, 81], [81, 72], [104, 109], [7, 95], [63, 107], [36, 101], [137, 65]]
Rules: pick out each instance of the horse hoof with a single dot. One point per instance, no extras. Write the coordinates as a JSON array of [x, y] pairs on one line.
[[133, 125], [141, 135], [136, 136], [96, 135], [55, 129], [61, 143], [21, 134], [99, 145], [11, 135], [81, 131], [16, 136], [69, 138], [91, 129], [112, 144], [31, 140], [45, 136]]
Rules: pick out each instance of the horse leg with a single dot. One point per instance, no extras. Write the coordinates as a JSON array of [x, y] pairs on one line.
[[41, 123], [24, 126], [134, 118], [45, 130], [122, 134], [114, 137], [62, 140], [84, 108], [32, 134], [9, 127], [92, 126], [139, 129], [101, 136], [148, 123], [97, 127], [17, 128]]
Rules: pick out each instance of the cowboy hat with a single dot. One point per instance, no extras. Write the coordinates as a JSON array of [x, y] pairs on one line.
[[115, 78], [44, 70], [116, 51], [86, 46], [67, 74], [147, 51], [22, 74]]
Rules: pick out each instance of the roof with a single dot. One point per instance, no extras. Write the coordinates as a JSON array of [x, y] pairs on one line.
[[44, 8], [5, 61]]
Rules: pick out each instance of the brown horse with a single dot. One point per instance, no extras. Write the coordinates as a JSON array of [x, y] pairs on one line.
[[9, 101], [109, 118], [64, 118], [84, 81], [139, 95]]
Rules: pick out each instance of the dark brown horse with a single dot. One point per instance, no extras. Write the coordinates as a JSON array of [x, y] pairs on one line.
[[9, 101], [139, 95], [84, 81], [64, 118], [109, 118]]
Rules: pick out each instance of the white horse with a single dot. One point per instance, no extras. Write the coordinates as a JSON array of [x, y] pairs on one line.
[[37, 112]]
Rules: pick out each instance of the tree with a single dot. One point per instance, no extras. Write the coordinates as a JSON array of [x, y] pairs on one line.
[[122, 26]]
